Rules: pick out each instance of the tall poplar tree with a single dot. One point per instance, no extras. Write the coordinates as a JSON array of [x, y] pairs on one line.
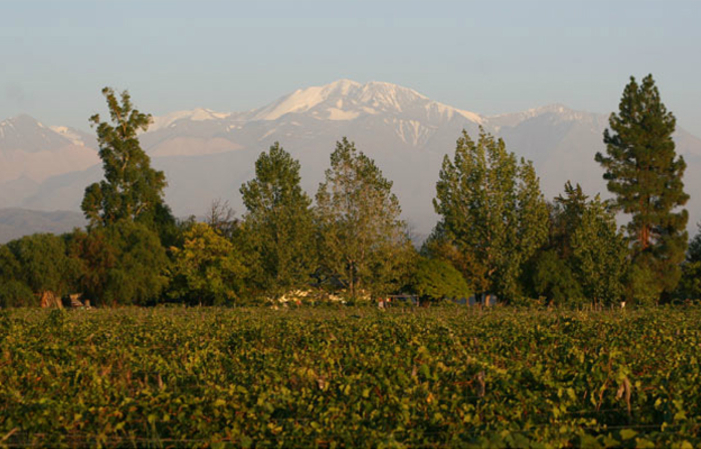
[[129, 222], [491, 207], [645, 175], [131, 189], [279, 223], [364, 244]]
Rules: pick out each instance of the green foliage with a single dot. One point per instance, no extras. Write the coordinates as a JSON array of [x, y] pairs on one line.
[[9, 265], [437, 279], [14, 293], [491, 207], [132, 190], [566, 217], [554, 280], [437, 377], [364, 244], [694, 251], [645, 174], [690, 285], [207, 269], [599, 254], [279, 223], [123, 257], [41, 263], [440, 246], [642, 283], [123, 263], [585, 260]]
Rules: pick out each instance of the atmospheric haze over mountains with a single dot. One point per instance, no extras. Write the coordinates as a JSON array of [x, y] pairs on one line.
[[208, 155]]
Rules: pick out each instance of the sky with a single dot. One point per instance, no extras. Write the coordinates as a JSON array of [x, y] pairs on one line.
[[487, 57]]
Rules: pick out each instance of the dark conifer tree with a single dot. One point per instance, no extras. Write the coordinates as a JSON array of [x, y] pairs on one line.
[[645, 174]]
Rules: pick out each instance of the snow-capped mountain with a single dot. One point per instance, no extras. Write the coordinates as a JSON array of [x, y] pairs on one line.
[[208, 155], [196, 115], [348, 100], [27, 134], [28, 149]]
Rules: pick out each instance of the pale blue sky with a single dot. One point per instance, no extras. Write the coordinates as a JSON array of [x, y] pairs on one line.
[[487, 57]]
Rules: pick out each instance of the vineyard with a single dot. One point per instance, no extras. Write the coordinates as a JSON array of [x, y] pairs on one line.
[[341, 377]]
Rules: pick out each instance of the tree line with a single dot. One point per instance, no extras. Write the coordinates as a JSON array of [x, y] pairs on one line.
[[497, 234]]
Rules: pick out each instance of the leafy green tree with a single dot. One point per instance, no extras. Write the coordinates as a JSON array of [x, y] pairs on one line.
[[436, 279], [123, 263], [554, 279], [363, 244], [41, 263], [599, 255], [13, 292], [439, 245], [585, 259], [491, 207], [645, 175], [207, 269], [131, 189], [550, 271], [690, 285], [280, 223], [9, 266]]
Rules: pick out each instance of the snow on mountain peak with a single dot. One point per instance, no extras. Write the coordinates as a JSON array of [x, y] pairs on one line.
[[556, 111], [197, 115], [70, 134], [346, 100], [23, 125], [303, 100]]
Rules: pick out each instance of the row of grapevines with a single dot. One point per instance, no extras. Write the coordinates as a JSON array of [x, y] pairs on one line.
[[446, 376]]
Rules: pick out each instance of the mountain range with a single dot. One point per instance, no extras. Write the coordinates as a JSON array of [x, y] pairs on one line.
[[207, 155]]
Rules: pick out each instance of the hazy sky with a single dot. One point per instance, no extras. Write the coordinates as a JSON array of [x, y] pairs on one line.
[[487, 57]]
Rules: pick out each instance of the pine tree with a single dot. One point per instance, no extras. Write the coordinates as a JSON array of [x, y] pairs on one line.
[[491, 207], [279, 223], [567, 217], [645, 175], [131, 190], [364, 244]]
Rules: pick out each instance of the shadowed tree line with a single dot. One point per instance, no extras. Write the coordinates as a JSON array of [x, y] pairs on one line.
[[497, 234]]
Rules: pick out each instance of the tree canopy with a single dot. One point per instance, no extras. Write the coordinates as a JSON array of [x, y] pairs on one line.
[[131, 188], [207, 269], [436, 279], [279, 223], [41, 262], [124, 263], [364, 244], [491, 207]]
